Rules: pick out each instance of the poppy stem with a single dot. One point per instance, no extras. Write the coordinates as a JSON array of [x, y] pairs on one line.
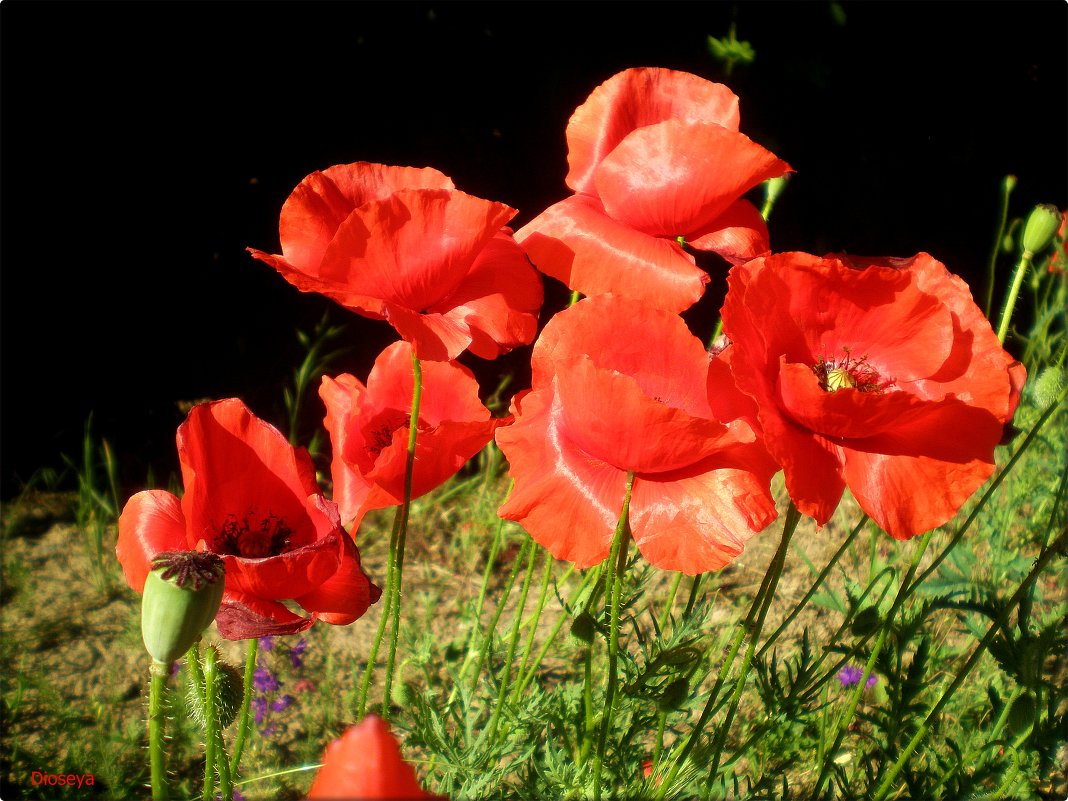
[[618, 559], [840, 725], [246, 702], [546, 579], [158, 673], [1014, 292], [401, 531], [1008, 183], [665, 615]]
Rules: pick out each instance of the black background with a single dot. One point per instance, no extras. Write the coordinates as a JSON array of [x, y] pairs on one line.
[[145, 145]]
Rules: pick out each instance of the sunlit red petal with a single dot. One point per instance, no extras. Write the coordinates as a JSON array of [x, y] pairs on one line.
[[340, 395], [435, 337], [346, 595], [498, 300], [366, 763], [635, 98], [575, 242], [235, 464], [413, 248], [697, 521], [676, 177], [567, 501], [738, 234], [151, 523]]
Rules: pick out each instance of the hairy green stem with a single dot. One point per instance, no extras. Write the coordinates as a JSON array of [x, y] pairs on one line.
[[488, 636], [1040, 565], [546, 579], [243, 725], [1007, 184], [157, 716], [669, 602], [617, 561], [793, 517], [1014, 292], [398, 553], [695, 587], [587, 580], [383, 621], [840, 724]]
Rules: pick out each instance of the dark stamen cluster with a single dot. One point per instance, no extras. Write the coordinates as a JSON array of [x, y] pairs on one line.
[[192, 569], [252, 538]]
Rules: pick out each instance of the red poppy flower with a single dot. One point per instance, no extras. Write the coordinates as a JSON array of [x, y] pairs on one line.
[[366, 763], [369, 429], [654, 154], [251, 498], [619, 387], [401, 244], [877, 374]]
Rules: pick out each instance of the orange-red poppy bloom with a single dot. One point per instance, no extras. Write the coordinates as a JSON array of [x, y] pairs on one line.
[[366, 763], [878, 374], [251, 498], [403, 245], [654, 154], [619, 387], [369, 428]]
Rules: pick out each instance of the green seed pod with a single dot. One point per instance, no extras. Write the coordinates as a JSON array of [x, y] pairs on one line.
[[182, 595], [1041, 227], [1048, 386], [673, 696], [1022, 714], [866, 621], [582, 627], [229, 693]]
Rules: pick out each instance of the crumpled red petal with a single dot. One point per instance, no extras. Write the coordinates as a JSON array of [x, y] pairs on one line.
[[242, 617], [738, 235], [151, 523]]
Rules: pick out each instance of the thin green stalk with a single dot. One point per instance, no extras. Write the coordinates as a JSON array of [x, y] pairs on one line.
[[814, 588], [383, 621], [576, 296], [694, 588], [398, 556], [587, 708], [618, 558], [1007, 185], [962, 674], [840, 724], [246, 701], [1014, 292], [665, 615], [544, 649], [488, 635], [546, 579], [713, 696], [793, 517], [157, 717], [211, 741], [513, 643]]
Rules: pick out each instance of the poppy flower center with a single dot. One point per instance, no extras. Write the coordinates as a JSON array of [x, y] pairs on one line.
[[380, 431], [253, 537], [846, 372]]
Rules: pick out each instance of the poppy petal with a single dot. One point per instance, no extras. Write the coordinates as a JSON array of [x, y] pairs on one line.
[[568, 502], [242, 617], [633, 99], [498, 300], [151, 523], [346, 595], [340, 395], [366, 763], [413, 248], [435, 337], [699, 522], [575, 242], [661, 179], [738, 234]]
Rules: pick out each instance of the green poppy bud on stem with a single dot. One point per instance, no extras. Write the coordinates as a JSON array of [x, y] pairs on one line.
[[1041, 227], [229, 693], [182, 595]]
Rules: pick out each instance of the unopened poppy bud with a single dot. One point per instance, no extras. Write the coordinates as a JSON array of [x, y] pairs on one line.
[[673, 696], [182, 594], [582, 628], [1041, 227], [1022, 714], [229, 693]]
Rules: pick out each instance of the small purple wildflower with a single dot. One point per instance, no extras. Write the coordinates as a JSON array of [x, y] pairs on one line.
[[270, 730], [264, 681], [296, 653], [259, 708], [280, 703], [267, 643], [851, 674]]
